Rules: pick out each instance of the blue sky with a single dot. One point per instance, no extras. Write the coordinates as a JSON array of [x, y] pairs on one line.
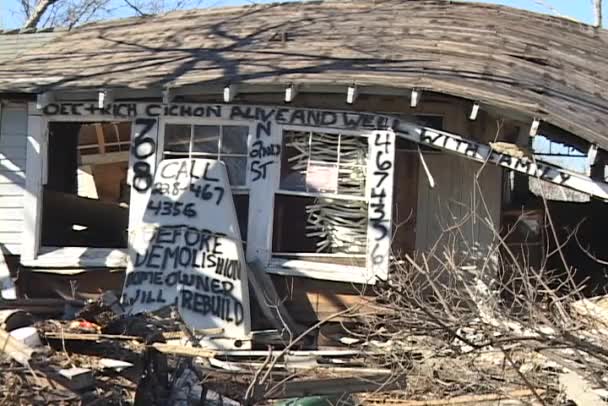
[[578, 9]]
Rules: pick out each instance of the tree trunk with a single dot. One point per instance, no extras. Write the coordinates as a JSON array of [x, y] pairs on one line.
[[598, 12], [38, 12]]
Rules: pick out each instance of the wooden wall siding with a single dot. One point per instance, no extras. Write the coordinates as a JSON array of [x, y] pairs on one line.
[[13, 138], [451, 200], [405, 199]]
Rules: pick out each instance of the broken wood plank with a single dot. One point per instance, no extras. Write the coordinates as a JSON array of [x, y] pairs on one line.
[[53, 335], [269, 301], [167, 335], [458, 400], [183, 350], [15, 349], [78, 378]]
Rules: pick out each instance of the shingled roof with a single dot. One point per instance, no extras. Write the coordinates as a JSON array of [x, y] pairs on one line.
[[547, 67], [15, 42]]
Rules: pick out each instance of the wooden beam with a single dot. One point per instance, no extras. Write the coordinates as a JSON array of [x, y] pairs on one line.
[[101, 141], [168, 95], [104, 97], [483, 153], [230, 92], [183, 350], [415, 97], [534, 127], [15, 349], [351, 94], [290, 93], [43, 99], [106, 158], [474, 111]]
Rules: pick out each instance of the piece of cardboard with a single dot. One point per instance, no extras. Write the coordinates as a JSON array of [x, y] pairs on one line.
[[188, 249]]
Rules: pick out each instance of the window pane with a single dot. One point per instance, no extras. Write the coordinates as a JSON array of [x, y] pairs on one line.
[[177, 137], [237, 168], [241, 204], [324, 162], [234, 139], [206, 138]]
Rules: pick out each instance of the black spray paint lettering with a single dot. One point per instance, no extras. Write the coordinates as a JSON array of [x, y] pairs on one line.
[[183, 110], [263, 154], [79, 109], [186, 176], [382, 165], [142, 148], [228, 309]]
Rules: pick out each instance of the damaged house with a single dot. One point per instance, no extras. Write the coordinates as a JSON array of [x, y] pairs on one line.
[[351, 134]]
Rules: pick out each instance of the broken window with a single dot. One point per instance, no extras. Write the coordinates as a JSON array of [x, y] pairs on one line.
[[321, 206], [86, 197], [227, 143], [566, 156]]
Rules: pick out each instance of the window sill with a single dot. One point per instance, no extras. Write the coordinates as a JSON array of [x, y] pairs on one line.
[[78, 257], [320, 270]]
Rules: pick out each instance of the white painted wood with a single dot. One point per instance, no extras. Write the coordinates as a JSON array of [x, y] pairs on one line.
[[12, 165], [291, 92], [379, 190], [230, 93], [11, 226], [13, 127], [12, 189], [261, 195], [7, 287], [78, 257], [14, 214], [12, 241], [17, 177], [33, 186], [139, 195], [12, 202], [415, 97], [194, 217], [319, 270], [351, 94], [13, 138]]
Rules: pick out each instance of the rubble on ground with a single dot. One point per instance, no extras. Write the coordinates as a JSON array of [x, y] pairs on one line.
[[102, 356]]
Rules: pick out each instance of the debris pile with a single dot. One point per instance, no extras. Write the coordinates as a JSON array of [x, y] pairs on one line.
[[100, 355], [459, 336]]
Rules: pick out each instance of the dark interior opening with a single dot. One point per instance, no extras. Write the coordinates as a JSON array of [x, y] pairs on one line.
[[86, 197]]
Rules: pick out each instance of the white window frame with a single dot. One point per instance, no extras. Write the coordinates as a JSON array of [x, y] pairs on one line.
[[295, 264], [33, 254], [260, 215]]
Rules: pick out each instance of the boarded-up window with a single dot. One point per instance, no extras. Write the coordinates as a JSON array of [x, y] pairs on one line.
[[321, 206]]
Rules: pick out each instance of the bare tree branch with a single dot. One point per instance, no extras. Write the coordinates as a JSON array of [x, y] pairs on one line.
[[135, 8], [597, 5], [38, 12]]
